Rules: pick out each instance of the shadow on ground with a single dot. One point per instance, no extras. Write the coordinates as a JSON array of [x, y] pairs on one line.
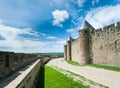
[[41, 77]]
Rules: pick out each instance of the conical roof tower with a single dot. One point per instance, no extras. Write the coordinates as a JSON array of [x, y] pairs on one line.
[[70, 38], [86, 25]]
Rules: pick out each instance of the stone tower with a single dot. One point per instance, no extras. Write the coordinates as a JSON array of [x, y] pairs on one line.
[[84, 37], [65, 52], [69, 53]]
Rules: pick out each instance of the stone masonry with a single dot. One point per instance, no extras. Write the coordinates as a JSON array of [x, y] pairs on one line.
[[10, 62], [95, 46]]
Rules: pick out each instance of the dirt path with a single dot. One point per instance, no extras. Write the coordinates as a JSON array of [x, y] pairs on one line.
[[105, 77]]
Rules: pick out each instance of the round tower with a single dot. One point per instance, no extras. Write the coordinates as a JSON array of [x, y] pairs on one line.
[[65, 52], [85, 43], [69, 53]]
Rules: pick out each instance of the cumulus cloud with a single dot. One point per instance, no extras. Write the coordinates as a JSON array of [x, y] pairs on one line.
[[102, 16], [59, 17], [67, 3], [12, 39]]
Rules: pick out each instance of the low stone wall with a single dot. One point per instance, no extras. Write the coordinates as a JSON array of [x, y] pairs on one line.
[[10, 62], [28, 76], [45, 59], [31, 78]]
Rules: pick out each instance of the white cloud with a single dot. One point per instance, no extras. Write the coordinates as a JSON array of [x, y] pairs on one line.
[[12, 39], [102, 16], [67, 3], [95, 2], [59, 17], [70, 30], [80, 2], [52, 37], [57, 2]]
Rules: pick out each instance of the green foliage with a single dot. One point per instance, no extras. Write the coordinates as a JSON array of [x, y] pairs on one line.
[[55, 55], [113, 68], [73, 62], [55, 79]]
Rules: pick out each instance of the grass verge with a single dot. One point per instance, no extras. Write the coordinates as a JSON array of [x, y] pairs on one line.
[[113, 68], [80, 79], [55, 79], [73, 62]]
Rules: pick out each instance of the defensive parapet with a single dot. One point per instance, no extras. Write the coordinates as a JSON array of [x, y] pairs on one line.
[[105, 45], [27, 76], [106, 32], [10, 62]]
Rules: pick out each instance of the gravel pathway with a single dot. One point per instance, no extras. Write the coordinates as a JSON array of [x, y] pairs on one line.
[[105, 77]]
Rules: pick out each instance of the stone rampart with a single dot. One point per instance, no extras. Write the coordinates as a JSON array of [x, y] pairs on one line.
[[10, 62], [97, 46], [106, 45], [27, 76], [29, 81], [76, 53]]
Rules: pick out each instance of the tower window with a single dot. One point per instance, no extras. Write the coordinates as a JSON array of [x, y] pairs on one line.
[[85, 31]]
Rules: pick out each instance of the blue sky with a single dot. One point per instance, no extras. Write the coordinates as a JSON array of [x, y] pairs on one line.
[[44, 25]]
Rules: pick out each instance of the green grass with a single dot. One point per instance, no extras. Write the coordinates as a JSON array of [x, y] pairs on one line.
[[113, 68], [73, 62], [87, 80], [55, 79]]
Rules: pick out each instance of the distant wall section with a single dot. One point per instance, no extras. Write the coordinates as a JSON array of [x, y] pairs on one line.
[[76, 54]]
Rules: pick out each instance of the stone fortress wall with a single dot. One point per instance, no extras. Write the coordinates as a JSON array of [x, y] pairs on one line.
[[10, 62], [22, 67], [76, 54], [106, 45], [97, 46]]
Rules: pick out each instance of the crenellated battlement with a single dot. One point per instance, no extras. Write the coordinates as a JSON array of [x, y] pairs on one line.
[[106, 31], [98, 46], [10, 61]]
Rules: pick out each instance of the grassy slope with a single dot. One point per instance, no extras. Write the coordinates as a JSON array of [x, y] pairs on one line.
[[55, 79], [72, 62], [113, 68]]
